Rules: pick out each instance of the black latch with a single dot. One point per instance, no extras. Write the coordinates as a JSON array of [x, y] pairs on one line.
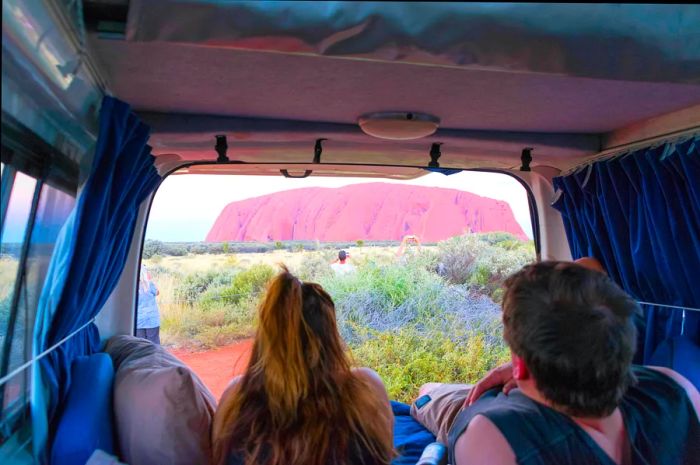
[[318, 150], [434, 155], [221, 148], [526, 159]]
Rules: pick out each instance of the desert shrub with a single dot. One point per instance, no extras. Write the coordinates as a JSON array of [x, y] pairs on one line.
[[199, 249], [207, 326], [254, 279], [482, 261], [457, 257], [315, 266], [152, 247], [360, 243], [279, 245], [391, 284], [408, 358], [427, 316], [494, 264], [225, 247], [497, 237], [193, 285], [156, 259]]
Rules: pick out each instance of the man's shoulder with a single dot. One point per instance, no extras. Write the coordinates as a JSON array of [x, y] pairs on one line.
[[483, 442]]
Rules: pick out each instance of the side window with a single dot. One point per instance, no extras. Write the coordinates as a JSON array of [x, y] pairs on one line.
[[16, 216], [33, 213]]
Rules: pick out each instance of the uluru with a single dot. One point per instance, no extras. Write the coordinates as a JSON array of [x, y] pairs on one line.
[[372, 211]]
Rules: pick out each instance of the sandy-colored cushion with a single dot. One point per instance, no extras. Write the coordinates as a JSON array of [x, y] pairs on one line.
[[163, 411]]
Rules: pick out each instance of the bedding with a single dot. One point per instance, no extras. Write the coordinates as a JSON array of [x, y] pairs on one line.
[[410, 437]]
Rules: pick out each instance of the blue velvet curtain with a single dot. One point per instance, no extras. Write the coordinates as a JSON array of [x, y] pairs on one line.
[[89, 256], [639, 214]]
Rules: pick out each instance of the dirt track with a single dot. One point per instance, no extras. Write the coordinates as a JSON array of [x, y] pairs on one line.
[[217, 367]]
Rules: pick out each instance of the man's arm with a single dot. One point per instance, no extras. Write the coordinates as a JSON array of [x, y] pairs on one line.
[[482, 443]]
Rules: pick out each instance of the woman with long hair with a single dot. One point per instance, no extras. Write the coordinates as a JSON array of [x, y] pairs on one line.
[[300, 402]]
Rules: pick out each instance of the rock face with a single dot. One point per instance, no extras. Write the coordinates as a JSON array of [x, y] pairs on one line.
[[374, 211]]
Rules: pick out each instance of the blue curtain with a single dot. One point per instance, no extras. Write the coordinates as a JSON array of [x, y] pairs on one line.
[[89, 257], [639, 214]]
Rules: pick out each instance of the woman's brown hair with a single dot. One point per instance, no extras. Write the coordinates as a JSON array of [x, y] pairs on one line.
[[299, 401]]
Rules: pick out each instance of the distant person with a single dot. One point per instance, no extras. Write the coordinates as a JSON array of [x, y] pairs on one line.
[[577, 398], [148, 316], [300, 402], [341, 266]]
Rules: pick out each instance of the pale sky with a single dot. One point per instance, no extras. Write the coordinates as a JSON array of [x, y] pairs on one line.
[[186, 206]]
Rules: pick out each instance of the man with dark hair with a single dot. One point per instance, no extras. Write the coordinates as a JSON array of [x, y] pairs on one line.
[[341, 266], [579, 399]]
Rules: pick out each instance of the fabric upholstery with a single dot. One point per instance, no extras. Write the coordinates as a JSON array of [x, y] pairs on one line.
[[163, 411], [87, 420]]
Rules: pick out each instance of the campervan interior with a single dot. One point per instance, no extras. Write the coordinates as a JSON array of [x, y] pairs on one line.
[[593, 109]]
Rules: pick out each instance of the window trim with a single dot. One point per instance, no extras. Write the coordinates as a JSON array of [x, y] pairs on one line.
[[18, 285], [23, 151], [8, 181], [532, 202]]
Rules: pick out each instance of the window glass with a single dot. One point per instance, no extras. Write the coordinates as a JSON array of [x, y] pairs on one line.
[[53, 209], [13, 233]]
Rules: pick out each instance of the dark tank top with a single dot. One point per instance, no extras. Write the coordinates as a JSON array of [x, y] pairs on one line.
[[661, 424]]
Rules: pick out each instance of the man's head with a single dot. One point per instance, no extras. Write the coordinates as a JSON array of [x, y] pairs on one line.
[[572, 329], [342, 255]]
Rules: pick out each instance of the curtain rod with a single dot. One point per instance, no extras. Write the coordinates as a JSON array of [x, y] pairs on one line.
[[618, 150]]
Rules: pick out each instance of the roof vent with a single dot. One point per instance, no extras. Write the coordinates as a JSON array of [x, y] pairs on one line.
[[398, 125]]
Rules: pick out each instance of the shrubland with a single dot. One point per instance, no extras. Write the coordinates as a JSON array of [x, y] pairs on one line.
[[430, 315]]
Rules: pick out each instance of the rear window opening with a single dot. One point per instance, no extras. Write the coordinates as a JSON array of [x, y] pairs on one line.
[[417, 297]]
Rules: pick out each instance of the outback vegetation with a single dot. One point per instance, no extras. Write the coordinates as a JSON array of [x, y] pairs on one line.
[[431, 314]]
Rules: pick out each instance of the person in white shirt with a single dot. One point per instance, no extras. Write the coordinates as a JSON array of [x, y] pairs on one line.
[[342, 266]]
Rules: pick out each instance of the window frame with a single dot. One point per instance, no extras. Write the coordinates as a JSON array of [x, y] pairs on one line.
[[23, 151], [532, 203]]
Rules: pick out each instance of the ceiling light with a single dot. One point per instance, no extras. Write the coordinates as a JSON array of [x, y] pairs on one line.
[[398, 125]]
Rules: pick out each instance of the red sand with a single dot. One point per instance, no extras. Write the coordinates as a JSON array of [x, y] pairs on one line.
[[217, 367], [374, 211]]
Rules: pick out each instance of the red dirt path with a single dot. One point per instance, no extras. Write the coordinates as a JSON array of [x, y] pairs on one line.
[[217, 367]]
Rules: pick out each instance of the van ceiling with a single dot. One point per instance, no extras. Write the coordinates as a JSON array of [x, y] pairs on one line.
[[201, 71]]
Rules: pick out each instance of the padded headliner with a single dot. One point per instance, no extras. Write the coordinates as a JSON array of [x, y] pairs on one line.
[[205, 80], [177, 78]]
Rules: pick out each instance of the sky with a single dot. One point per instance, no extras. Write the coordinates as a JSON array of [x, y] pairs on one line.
[[18, 209], [186, 206]]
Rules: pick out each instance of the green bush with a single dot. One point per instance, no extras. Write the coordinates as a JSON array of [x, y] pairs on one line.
[[315, 267], [360, 243], [194, 285], [426, 316], [409, 358], [457, 257], [254, 279], [151, 248]]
